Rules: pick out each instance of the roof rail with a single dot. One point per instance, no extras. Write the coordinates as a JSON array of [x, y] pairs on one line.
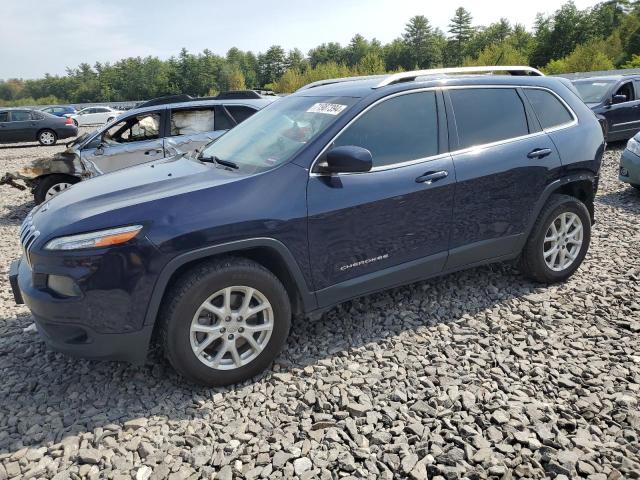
[[329, 81], [165, 100], [410, 76]]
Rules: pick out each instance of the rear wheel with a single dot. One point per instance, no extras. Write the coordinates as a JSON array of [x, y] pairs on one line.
[[225, 321], [559, 240], [47, 137], [51, 185], [75, 122]]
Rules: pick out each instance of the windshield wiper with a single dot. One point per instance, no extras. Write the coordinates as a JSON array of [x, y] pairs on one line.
[[224, 163]]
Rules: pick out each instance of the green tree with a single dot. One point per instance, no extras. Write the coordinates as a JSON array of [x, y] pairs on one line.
[[588, 57], [460, 33], [271, 65], [423, 44]]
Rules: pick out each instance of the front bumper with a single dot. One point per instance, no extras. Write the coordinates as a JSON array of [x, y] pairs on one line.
[[630, 168], [60, 327]]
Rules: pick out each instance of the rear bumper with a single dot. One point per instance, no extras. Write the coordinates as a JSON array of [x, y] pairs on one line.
[[71, 335], [67, 131], [630, 168]]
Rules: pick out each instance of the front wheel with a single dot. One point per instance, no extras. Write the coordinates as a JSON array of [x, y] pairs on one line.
[[559, 240], [51, 185], [47, 138], [225, 321]]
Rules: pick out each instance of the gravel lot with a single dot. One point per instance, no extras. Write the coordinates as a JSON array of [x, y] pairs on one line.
[[478, 374]]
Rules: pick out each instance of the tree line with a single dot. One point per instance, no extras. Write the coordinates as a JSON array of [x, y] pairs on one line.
[[602, 37]]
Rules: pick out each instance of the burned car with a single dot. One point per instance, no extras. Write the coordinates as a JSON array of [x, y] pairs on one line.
[[139, 136]]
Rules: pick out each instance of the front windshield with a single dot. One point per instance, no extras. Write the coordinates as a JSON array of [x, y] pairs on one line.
[[593, 91], [274, 135]]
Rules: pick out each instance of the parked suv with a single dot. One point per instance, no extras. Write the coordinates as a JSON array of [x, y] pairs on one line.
[[616, 98], [142, 135], [344, 188]]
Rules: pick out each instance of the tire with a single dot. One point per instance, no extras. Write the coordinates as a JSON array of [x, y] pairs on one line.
[[180, 314], [50, 185], [533, 263], [47, 137]]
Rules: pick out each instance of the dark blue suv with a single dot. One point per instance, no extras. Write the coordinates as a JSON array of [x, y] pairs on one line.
[[344, 188]]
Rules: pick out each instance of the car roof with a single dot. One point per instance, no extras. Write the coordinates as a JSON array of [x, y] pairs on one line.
[[259, 103], [369, 85], [614, 78]]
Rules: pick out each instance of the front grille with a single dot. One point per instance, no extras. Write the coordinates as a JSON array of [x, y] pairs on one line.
[[28, 234]]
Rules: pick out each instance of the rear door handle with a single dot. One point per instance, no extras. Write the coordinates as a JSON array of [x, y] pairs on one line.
[[430, 177], [539, 153]]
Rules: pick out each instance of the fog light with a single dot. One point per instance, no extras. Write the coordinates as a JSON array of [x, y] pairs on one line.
[[63, 286]]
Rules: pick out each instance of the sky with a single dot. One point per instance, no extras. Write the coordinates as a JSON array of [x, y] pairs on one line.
[[44, 36]]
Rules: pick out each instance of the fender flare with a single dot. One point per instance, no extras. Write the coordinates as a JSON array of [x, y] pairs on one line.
[[550, 190], [308, 298]]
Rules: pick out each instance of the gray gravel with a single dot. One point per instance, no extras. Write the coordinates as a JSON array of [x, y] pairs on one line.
[[478, 374]]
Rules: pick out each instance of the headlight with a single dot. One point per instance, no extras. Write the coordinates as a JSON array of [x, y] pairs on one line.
[[102, 238], [633, 146]]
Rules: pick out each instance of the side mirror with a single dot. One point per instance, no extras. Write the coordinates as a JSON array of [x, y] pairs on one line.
[[348, 159], [618, 99]]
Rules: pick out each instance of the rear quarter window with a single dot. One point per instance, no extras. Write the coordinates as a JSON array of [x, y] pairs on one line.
[[549, 109], [239, 113], [487, 115]]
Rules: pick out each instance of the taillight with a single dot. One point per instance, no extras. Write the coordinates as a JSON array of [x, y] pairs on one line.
[[68, 121]]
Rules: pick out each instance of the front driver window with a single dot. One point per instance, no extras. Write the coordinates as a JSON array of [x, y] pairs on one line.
[[134, 129], [627, 91]]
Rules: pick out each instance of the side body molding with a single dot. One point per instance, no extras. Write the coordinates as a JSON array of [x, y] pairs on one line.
[[308, 298]]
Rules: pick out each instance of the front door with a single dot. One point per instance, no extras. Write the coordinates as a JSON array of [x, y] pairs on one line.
[[396, 216], [132, 141], [624, 117], [503, 162]]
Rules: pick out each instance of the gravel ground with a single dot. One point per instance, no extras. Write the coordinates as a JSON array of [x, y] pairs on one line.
[[478, 374]]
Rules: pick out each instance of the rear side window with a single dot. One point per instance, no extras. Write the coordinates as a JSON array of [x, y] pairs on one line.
[[549, 109], [4, 116], [486, 115], [20, 116], [223, 121], [192, 121], [239, 113], [400, 129], [37, 115]]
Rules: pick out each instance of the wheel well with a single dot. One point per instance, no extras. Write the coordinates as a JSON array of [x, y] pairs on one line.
[[265, 256], [582, 190], [45, 130]]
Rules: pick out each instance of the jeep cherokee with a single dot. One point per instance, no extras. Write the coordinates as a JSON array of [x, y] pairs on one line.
[[344, 188]]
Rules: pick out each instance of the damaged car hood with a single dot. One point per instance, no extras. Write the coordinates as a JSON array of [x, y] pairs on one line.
[[67, 162]]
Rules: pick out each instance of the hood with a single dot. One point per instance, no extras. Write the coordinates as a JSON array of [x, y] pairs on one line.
[[82, 205]]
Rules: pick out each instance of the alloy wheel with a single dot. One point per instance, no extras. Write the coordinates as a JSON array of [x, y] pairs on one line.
[[231, 327], [56, 189], [563, 241], [47, 138]]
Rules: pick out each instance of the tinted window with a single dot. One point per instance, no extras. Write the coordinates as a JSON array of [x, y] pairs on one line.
[[37, 115], [223, 121], [4, 116], [240, 114], [627, 90], [397, 130], [20, 116], [550, 111], [101, 110], [486, 115], [192, 121]]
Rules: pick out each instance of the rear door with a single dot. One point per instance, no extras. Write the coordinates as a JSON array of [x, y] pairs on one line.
[[22, 127], [191, 128], [397, 214], [503, 162], [134, 140]]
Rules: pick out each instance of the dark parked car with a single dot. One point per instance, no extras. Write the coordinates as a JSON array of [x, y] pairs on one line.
[[615, 98], [60, 111], [138, 136], [24, 125], [344, 188]]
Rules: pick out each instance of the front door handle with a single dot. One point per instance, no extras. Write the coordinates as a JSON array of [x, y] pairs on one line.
[[430, 177], [539, 153]]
